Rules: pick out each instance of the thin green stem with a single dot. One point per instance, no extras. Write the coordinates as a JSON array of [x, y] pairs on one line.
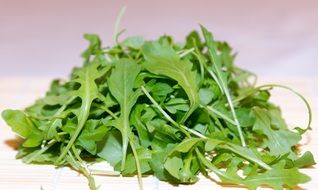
[[256, 161], [222, 80], [197, 54], [181, 127], [109, 112], [116, 28], [133, 148], [296, 93], [158, 106], [153, 101], [81, 167], [220, 114], [255, 90], [213, 168], [28, 160], [81, 122], [186, 52]]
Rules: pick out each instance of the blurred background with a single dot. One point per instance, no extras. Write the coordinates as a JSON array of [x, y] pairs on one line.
[[272, 38]]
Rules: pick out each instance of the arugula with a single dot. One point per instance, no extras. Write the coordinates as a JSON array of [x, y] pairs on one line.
[[165, 109], [161, 59]]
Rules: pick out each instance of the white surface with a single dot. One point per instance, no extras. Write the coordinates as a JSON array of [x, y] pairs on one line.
[[44, 38]]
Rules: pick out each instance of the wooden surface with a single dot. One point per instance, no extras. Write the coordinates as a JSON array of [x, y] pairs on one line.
[[18, 92]]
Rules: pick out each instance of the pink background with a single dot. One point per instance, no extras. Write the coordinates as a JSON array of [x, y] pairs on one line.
[[44, 38]]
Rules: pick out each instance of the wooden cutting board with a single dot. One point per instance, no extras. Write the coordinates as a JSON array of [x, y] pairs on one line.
[[18, 92]]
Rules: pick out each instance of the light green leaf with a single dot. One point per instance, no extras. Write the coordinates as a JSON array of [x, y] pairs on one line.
[[110, 148], [307, 159], [144, 156], [277, 178], [136, 120], [134, 42], [278, 141], [206, 95], [161, 89], [220, 77], [22, 125], [121, 83], [185, 145], [91, 133], [173, 165], [87, 92], [163, 60]]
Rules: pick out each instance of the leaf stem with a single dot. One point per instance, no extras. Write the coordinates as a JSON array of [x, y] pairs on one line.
[[81, 122], [81, 167], [216, 112], [133, 148], [213, 168], [222, 84], [181, 127], [296, 93], [186, 52], [256, 161], [28, 160], [116, 28]]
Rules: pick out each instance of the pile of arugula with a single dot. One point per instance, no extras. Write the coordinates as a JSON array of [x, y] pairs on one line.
[[161, 108]]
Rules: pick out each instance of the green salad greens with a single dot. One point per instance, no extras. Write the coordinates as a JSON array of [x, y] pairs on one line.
[[165, 109]]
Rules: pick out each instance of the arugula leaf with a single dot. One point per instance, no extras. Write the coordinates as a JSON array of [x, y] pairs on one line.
[[23, 126], [161, 59], [135, 42], [185, 145], [91, 134], [121, 83], [87, 92], [278, 141], [277, 178], [173, 165], [307, 159], [141, 128], [110, 148], [220, 77]]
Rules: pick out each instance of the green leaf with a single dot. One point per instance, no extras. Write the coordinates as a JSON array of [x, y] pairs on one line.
[[225, 177], [121, 83], [23, 126], [110, 148], [220, 77], [161, 89], [163, 60], [135, 42], [144, 156], [307, 159], [136, 121], [173, 165], [211, 144], [94, 46], [278, 141], [277, 178], [247, 153], [50, 128], [92, 133], [177, 104], [157, 162], [87, 92], [185, 145], [206, 96]]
